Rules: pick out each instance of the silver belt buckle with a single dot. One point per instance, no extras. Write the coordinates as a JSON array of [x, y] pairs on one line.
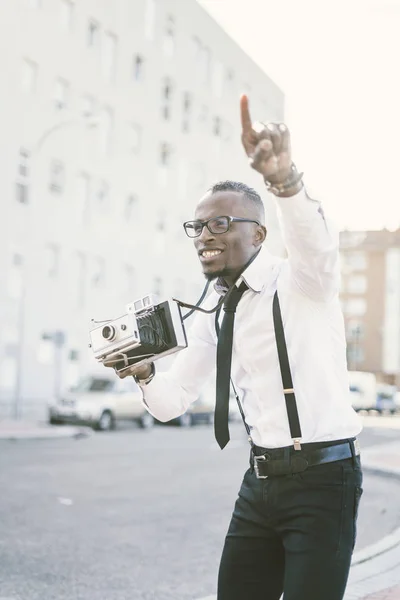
[[257, 459]]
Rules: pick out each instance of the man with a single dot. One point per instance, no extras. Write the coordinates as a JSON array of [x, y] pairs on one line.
[[293, 525]]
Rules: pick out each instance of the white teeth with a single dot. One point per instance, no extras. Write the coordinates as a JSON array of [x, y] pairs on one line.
[[210, 253]]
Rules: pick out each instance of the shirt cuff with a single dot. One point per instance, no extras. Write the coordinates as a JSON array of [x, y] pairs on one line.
[[300, 207]]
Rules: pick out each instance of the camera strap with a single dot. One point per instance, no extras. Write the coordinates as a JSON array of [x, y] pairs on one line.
[[290, 398]]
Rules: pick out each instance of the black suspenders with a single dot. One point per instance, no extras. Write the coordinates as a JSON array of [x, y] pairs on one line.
[[290, 399]]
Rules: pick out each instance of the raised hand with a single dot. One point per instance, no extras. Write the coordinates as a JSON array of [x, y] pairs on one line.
[[267, 145]]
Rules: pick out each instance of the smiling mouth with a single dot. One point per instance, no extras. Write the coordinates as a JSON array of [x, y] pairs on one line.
[[209, 255]]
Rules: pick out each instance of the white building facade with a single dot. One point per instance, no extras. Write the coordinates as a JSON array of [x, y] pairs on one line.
[[116, 117]]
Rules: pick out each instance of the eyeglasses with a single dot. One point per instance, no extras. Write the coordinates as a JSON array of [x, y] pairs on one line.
[[215, 225]]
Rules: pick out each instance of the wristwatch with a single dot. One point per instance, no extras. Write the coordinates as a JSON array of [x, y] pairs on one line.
[[148, 379]]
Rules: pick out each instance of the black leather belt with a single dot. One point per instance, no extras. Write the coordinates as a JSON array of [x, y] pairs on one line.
[[286, 461]]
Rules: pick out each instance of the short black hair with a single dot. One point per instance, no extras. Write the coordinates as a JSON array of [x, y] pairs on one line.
[[241, 188]]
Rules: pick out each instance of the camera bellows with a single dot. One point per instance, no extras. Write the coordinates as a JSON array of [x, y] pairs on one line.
[[153, 330]]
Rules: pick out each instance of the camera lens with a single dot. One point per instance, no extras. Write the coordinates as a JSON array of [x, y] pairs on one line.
[[108, 332]]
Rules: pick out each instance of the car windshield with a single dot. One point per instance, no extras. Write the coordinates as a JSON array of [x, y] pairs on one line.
[[94, 384]]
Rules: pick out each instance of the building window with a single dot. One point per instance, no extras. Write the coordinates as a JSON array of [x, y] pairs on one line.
[[227, 131], [61, 93], [22, 177], [15, 283], [80, 280], [180, 287], [354, 330], [169, 37], [205, 64], [247, 88], [52, 261], [135, 133], [157, 286], [356, 307], [199, 176], [21, 192], [138, 68], [165, 154], [131, 207], [106, 130], [356, 284], [129, 278], [187, 110], [87, 105], [93, 33], [66, 14], [356, 261], [29, 76], [98, 272], [201, 59], [203, 114], [73, 355], [72, 371], [355, 356], [165, 163], [161, 221], [167, 90], [229, 77], [83, 196], [103, 195], [57, 176], [217, 126], [217, 78], [150, 19], [183, 175], [109, 55], [46, 349]]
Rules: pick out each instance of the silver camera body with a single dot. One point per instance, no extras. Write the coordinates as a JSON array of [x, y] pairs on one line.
[[148, 331]]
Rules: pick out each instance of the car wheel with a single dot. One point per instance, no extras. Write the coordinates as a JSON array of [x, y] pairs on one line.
[[185, 420], [54, 421], [106, 421], [146, 421]]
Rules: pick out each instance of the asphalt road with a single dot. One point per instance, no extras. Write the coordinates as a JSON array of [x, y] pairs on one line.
[[132, 514]]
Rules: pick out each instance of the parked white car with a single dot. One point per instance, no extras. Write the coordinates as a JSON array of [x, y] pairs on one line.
[[100, 402], [363, 390]]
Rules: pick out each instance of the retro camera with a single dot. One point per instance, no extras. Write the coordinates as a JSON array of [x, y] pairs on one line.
[[148, 331]]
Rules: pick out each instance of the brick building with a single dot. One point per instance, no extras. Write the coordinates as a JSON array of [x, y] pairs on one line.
[[371, 301]]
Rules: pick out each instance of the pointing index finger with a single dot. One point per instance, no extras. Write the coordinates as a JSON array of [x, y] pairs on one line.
[[245, 114]]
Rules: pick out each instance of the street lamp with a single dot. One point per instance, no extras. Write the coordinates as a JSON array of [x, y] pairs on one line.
[[90, 122]]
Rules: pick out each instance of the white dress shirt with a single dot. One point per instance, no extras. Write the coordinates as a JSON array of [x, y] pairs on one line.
[[308, 290]]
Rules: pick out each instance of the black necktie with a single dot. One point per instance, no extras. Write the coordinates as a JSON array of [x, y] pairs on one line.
[[224, 359]]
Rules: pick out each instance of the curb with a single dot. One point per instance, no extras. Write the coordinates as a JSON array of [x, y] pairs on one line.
[[46, 434], [370, 552], [381, 472]]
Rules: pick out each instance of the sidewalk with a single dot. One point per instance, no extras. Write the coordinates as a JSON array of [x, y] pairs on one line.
[[16, 430]]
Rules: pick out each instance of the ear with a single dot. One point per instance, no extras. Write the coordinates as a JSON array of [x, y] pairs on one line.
[[261, 234]]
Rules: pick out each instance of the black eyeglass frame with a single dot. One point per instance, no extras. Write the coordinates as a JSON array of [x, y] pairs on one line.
[[230, 221]]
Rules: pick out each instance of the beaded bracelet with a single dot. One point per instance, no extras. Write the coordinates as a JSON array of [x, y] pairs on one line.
[[291, 180]]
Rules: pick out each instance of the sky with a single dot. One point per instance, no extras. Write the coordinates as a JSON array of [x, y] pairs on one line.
[[338, 66]]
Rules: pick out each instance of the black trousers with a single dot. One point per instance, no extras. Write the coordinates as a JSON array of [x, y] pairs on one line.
[[292, 534]]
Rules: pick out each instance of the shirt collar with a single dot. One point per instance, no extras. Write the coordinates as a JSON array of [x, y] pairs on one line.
[[259, 274]]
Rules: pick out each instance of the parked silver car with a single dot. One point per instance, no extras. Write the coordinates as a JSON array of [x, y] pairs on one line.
[[100, 402]]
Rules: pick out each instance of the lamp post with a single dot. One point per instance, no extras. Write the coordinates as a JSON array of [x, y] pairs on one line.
[[89, 122]]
